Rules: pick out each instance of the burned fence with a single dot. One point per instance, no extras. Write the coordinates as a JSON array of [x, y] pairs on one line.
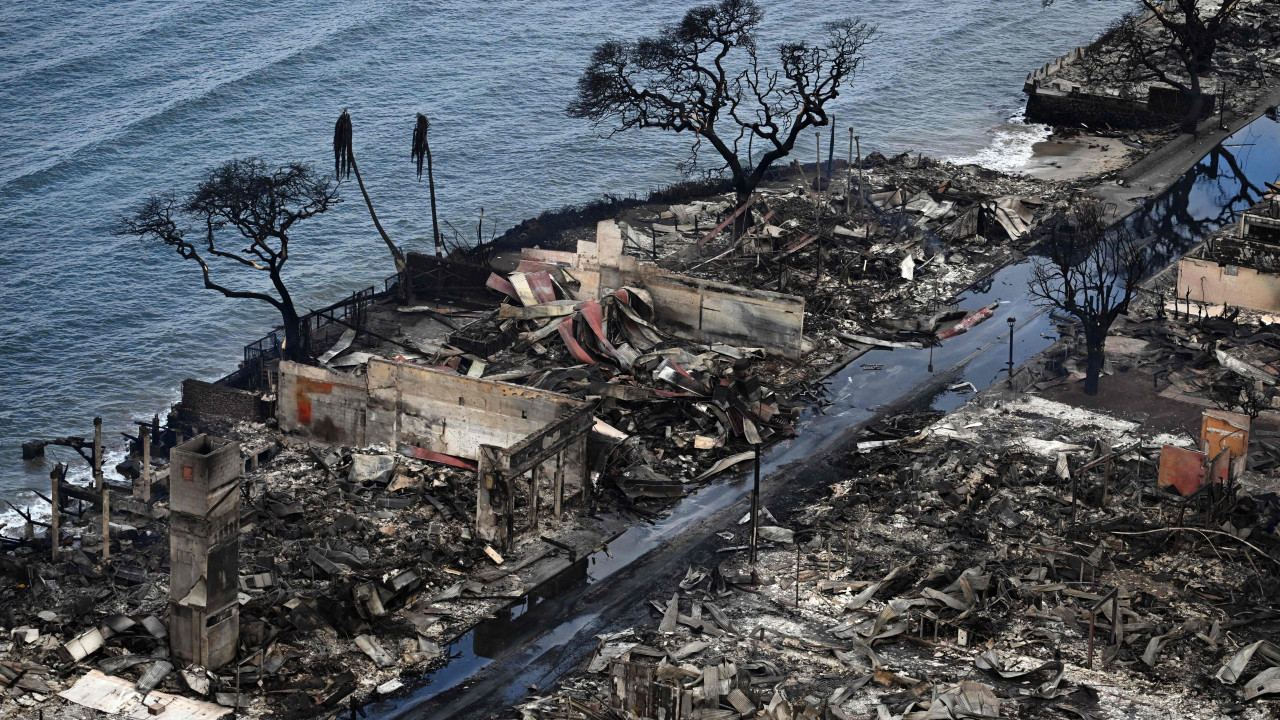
[[318, 327]]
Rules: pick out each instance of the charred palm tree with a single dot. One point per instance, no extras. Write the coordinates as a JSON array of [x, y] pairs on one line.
[[344, 163], [421, 150]]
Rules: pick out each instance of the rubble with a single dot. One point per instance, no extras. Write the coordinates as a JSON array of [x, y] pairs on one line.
[[438, 462], [962, 577]]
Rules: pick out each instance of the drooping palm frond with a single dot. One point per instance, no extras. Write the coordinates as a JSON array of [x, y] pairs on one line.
[[419, 152], [422, 151], [343, 154]]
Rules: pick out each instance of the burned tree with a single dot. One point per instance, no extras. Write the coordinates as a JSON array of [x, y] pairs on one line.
[[1090, 272], [422, 150], [704, 75], [344, 163], [1168, 42], [240, 201]]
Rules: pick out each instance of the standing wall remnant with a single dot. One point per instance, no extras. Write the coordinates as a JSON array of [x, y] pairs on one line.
[[516, 434], [704, 311], [204, 503]]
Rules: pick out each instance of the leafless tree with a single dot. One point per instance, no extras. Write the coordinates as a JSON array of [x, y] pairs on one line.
[[704, 75], [1170, 42], [1090, 272], [241, 201]]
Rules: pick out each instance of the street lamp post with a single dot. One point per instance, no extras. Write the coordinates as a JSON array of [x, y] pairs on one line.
[[755, 507], [1011, 321]]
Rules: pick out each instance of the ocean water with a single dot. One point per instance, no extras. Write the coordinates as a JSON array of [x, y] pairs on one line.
[[106, 102]]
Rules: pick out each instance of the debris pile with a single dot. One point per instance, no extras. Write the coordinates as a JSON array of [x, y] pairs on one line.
[[883, 263], [355, 569], [1016, 558]]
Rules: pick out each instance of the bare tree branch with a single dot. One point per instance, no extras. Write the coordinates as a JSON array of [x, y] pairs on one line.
[[1090, 271], [256, 203], [703, 75]]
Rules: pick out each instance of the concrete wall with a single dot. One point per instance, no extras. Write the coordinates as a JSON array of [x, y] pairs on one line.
[[706, 311], [208, 400], [1217, 284], [321, 404], [399, 404], [454, 414]]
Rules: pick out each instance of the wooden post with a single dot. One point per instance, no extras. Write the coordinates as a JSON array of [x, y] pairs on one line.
[[106, 521], [142, 488], [97, 453], [55, 512], [534, 477], [559, 488], [849, 179], [1106, 479], [1116, 632]]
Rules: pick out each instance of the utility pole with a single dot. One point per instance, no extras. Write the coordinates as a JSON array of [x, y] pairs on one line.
[[1011, 320], [755, 513], [849, 180]]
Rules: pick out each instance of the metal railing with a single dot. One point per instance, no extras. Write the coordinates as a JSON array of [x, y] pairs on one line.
[[258, 355]]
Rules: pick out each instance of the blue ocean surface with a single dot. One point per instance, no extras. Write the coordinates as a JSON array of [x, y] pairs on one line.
[[106, 102]]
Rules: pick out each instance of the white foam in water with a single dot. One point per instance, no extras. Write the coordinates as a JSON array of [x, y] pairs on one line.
[[11, 523], [1010, 148]]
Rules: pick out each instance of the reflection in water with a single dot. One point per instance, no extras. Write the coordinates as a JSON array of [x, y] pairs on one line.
[[1213, 193]]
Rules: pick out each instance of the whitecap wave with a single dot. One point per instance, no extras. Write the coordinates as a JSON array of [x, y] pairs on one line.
[[11, 523], [1010, 147]]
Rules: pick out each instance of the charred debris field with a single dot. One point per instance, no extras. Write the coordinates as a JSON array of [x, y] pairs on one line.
[[1019, 440]]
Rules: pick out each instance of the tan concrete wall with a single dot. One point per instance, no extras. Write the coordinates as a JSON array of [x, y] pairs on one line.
[[706, 311], [453, 414], [1209, 282], [700, 310], [321, 404]]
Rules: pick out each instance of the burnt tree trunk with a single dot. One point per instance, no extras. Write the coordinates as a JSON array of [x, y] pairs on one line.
[[1195, 106], [1095, 356], [295, 345], [742, 195]]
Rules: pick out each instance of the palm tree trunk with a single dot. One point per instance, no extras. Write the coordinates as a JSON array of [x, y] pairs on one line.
[[431, 185], [402, 267]]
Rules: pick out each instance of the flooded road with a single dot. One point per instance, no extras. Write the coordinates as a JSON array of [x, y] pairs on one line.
[[552, 632]]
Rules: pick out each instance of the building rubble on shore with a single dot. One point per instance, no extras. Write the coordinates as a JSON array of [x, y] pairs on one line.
[[1090, 86], [1237, 268], [437, 462]]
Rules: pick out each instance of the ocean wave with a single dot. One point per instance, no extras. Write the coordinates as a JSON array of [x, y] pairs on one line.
[[201, 88], [1010, 147]]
